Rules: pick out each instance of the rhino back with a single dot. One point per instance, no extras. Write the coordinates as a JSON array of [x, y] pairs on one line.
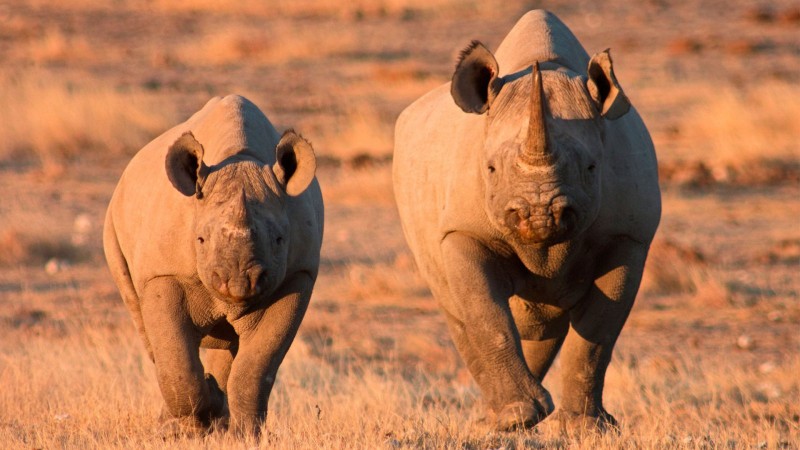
[[540, 36]]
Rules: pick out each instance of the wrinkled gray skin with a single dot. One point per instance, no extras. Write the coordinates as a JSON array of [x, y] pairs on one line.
[[528, 193], [213, 238]]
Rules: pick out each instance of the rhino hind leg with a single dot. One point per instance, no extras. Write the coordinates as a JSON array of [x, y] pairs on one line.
[[542, 331], [218, 369]]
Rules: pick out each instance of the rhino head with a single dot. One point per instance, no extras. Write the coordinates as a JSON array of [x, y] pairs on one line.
[[241, 228], [544, 140]]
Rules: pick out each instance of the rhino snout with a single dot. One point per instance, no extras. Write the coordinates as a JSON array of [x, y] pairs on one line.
[[241, 285], [540, 223]]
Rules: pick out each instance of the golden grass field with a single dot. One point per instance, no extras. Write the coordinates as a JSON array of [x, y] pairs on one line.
[[710, 358]]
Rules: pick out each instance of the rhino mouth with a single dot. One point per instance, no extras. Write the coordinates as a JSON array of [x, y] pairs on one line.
[[240, 286], [542, 225]]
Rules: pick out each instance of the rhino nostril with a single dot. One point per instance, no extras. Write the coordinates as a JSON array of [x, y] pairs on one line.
[[218, 283], [260, 282], [565, 218]]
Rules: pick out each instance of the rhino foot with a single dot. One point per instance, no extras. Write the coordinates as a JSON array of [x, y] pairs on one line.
[[182, 428], [575, 424], [522, 415]]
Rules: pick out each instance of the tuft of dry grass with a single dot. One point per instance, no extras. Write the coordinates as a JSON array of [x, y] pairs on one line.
[[277, 44], [738, 126], [56, 46], [359, 132], [673, 268], [55, 120], [355, 10], [21, 248]]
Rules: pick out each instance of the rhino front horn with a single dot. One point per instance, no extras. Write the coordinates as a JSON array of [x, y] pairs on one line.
[[536, 151]]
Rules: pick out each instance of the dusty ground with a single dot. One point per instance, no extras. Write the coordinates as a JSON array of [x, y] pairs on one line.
[[710, 355]]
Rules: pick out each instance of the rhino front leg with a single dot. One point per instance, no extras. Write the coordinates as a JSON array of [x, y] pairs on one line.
[[484, 331], [175, 343], [261, 351], [595, 325]]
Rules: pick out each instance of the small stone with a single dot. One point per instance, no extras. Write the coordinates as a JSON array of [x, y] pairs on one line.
[[53, 266], [774, 316], [766, 367], [745, 342], [61, 417], [82, 224]]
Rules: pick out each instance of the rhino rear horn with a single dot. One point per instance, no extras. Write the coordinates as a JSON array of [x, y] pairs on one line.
[[475, 84], [603, 85], [184, 164], [296, 163]]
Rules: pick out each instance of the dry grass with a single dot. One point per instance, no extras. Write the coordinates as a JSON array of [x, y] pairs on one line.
[[673, 269], [22, 248], [357, 9], [740, 135], [358, 132], [738, 126], [56, 46], [96, 389], [55, 120], [276, 44]]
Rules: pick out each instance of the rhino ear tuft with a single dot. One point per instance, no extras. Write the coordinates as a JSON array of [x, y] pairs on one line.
[[184, 164], [475, 84], [296, 163], [603, 85]]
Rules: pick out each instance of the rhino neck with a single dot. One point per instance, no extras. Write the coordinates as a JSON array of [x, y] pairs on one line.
[[549, 261]]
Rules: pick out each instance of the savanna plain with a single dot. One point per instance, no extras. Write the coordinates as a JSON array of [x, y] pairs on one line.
[[710, 357]]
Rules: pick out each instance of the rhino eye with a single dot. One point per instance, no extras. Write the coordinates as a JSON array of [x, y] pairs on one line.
[[591, 168], [491, 169], [200, 239], [279, 240]]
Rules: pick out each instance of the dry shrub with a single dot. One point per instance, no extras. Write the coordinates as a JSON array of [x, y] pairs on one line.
[[56, 120], [785, 251], [358, 133], [673, 268], [280, 43], [56, 46], [684, 46], [18, 248], [358, 187], [739, 128], [356, 9]]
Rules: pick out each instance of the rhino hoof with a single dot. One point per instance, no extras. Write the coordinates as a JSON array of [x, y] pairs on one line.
[[182, 428], [519, 415], [568, 423]]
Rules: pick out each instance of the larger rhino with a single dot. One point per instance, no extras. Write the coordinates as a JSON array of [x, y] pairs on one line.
[[213, 237], [528, 193]]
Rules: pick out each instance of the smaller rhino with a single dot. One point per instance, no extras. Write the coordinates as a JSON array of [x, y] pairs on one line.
[[213, 238]]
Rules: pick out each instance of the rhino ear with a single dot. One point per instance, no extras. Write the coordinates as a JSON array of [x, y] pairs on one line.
[[475, 83], [603, 85], [296, 163], [185, 168]]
